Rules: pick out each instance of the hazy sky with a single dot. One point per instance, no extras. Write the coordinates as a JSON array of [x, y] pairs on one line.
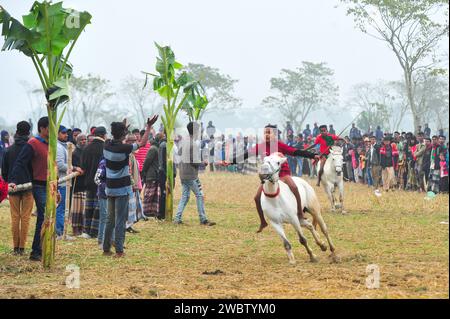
[[252, 40]]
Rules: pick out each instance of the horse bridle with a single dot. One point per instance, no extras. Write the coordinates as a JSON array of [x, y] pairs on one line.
[[270, 178], [333, 161]]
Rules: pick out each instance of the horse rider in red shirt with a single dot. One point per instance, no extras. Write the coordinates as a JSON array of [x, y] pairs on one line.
[[325, 140], [270, 145]]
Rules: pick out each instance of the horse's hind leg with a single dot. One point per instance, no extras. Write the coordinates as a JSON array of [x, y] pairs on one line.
[[313, 231], [279, 229], [324, 229], [303, 240]]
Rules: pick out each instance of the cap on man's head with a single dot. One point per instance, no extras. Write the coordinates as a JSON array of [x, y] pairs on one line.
[[100, 131], [62, 129], [23, 128], [76, 129], [323, 127]]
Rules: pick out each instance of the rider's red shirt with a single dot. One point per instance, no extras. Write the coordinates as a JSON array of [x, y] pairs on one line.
[[265, 149], [326, 142]]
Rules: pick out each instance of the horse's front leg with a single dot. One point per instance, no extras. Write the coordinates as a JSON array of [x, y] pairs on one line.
[[303, 240], [287, 245], [329, 192], [341, 196]]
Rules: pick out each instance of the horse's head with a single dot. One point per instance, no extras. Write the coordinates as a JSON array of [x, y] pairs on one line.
[[338, 158], [270, 168]]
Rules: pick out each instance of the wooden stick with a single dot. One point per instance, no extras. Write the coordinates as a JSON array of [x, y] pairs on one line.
[[27, 186], [70, 148]]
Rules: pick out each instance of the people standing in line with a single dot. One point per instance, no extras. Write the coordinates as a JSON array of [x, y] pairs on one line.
[[34, 153], [20, 203]]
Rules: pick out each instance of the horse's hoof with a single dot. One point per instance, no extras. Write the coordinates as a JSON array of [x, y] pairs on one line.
[[323, 247], [305, 223], [344, 212], [292, 262], [335, 259], [314, 259]]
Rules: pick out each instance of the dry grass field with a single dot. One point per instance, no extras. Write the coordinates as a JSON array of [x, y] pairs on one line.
[[401, 233]]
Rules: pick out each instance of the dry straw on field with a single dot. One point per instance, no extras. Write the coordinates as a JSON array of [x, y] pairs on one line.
[[400, 232]]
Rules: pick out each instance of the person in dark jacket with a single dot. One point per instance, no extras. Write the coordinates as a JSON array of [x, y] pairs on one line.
[[91, 157], [78, 187], [34, 153], [4, 144], [348, 173], [388, 152], [21, 203], [150, 176], [374, 164], [163, 186]]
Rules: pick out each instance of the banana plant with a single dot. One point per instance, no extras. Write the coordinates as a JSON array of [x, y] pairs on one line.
[[47, 35], [180, 91]]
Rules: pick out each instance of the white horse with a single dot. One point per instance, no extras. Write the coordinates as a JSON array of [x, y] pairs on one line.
[[332, 177], [280, 206]]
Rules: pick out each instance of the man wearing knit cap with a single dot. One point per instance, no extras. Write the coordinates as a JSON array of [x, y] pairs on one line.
[[21, 203], [34, 153]]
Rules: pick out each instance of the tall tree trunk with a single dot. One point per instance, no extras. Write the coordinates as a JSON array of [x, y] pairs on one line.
[[170, 179], [48, 227], [411, 100]]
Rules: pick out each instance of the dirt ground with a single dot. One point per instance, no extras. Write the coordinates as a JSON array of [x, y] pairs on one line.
[[401, 233]]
